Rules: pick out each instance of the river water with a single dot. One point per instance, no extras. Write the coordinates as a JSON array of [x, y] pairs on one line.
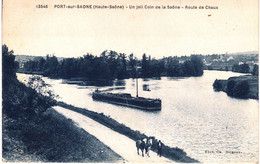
[[208, 125]]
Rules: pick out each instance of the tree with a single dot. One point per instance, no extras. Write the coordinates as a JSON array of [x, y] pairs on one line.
[[132, 65], [230, 87], [217, 85], [242, 68], [68, 68], [188, 68], [235, 68], [173, 67], [255, 70], [41, 62], [121, 66], [237, 89], [8, 65], [198, 65], [241, 89], [112, 61], [100, 69], [156, 68], [51, 66], [145, 66], [86, 66], [40, 86]]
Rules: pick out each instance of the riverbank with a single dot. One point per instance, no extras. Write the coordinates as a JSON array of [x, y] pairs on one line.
[[175, 154], [30, 72], [119, 143], [33, 132], [240, 87], [52, 138]]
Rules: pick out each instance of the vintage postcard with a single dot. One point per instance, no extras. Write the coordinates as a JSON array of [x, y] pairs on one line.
[[127, 81]]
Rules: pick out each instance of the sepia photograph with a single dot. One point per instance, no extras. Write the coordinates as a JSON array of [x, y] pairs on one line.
[[127, 81]]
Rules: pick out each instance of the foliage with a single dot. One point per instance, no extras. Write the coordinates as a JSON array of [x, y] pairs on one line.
[[197, 64], [51, 66], [242, 68], [217, 85], [241, 89], [145, 66], [131, 64], [18, 100], [255, 70], [192, 67], [9, 66], [39, 85], [111, 65], [230, 87], [238, 89], [173, 67]]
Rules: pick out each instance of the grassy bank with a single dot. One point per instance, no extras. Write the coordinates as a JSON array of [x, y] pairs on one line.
[[175, 154], [240, 87], [33, 132], [52, 138]]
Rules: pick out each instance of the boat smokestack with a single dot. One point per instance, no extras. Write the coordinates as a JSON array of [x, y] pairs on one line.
[[136, 87]]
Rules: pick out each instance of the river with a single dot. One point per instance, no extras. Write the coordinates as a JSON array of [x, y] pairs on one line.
[[208, 125]]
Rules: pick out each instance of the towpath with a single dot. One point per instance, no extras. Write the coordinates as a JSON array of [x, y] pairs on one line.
[[119, 143]]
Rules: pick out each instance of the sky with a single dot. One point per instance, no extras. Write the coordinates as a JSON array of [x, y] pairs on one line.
[[28, 30]]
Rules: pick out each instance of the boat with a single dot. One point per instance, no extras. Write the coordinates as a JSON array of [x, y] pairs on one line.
[[126, 99]]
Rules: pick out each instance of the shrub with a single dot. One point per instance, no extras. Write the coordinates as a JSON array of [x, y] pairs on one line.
[[217, 85], [255, 70], [241, 89], [230, 87]]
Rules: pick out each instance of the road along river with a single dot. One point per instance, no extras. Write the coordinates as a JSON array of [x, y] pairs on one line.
[[121, 144]]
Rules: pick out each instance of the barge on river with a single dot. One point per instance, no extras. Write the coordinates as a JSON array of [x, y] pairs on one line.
[[126, 99]]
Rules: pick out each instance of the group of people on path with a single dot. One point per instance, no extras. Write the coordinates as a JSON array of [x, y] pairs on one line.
[[146, 144]]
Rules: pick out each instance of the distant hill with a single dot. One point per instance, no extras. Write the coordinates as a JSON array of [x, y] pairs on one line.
[[25, 58], [244, 53]]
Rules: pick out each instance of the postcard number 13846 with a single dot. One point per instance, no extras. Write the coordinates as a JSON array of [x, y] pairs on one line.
[[42, 6]]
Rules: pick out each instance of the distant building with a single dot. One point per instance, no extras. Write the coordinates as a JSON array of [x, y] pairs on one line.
[[230, 58]]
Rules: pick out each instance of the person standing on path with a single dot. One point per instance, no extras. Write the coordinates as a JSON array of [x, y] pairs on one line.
[[159, 147]]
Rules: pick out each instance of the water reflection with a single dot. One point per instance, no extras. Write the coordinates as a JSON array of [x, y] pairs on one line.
[[153, 78], [146, 87], [146, 79], [175, 78], [113, 89], [99, 82], [157, 78], [119, 82]]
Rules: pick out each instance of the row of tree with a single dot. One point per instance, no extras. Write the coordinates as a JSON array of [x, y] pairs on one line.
[[244, 68], [111, 65]]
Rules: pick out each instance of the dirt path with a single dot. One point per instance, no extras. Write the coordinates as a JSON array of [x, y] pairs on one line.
[[121, 144]]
